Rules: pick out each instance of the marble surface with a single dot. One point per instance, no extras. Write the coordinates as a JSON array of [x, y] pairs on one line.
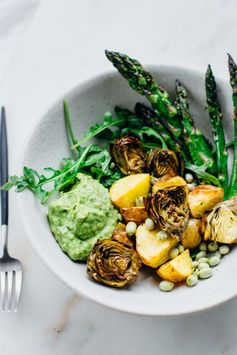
[[64, 46]]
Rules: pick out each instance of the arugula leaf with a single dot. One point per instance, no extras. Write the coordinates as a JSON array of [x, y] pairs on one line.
[[99, 128], [68, 123]]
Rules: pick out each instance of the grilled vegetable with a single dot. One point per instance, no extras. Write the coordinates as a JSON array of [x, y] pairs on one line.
[[198, 149], [203, 198], [222, 222], [175, 181], [124, 192], [120, 235], [168, 208], [113, 264], [192, 236], [177, 269], [134, 214], [129, 155], [164, 163], [152, 251], [216, 116], [233, 81], [142, 82]]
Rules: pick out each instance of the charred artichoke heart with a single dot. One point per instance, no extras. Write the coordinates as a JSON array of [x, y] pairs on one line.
[[129, 155], [113, 264], [222, 222], [168, 208], [121, 236], [164, 164]]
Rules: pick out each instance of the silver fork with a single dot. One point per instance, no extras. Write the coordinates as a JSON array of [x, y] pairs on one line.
[[10, 268]]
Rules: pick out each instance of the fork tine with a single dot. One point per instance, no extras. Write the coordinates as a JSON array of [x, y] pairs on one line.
[[9, 289], [3, 290], [18, 282]]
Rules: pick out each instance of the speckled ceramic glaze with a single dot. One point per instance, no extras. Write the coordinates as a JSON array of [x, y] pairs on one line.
[[47, 144]]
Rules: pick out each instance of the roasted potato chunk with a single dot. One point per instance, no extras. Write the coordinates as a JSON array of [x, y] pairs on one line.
[[177, 269], [134, 214], [174, 181], [203, 198], [192, 236], [152, 251], [124, 191]]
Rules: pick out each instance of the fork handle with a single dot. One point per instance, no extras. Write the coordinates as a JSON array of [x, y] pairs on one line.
[[4, 168]]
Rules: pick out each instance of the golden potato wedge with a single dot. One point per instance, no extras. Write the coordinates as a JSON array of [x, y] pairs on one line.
[[134, 214], [177, 269], [124, 191], [174, 181], [203, 198], [152, 251], [192, 236]]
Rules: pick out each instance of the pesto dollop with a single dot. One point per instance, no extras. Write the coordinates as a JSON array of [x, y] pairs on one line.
[[81, 216]]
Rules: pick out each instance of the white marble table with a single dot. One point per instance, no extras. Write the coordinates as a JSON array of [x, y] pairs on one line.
[[63, 47]]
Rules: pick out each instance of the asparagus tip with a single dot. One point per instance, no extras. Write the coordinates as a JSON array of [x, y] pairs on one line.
[[231, 62]]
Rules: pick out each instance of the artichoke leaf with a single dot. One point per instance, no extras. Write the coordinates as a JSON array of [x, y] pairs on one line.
[[164, 163], [129, 154], [113, 264], [222, 222]]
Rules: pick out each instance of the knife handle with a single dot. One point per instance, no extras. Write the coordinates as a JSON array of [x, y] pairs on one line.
[[4, 168]]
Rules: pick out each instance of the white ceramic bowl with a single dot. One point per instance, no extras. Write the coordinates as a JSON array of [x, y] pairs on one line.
[[48, 144]]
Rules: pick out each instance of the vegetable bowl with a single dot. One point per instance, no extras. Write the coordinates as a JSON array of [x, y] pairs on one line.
[[88, 102]]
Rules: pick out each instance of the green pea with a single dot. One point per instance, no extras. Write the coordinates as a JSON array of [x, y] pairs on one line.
[[174, 252], [189, 177], [203, 266], [200, 255], [224, 249], [149, 224], [203, 246], [181, 248], [192, 280], [166, 286], [131, 228], [205, 273], [196, 272], [214, 260], [203, 260], [191, 186], [212, 246], [162, 235], [195, 264], [217, 253]]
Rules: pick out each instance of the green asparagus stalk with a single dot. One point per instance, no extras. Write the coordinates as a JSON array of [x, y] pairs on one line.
[[199, 149], [189, 130], [142, 82], [215, 113], [233, 81]]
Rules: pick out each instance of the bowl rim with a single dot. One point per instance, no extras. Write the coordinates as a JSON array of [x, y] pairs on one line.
[[20, 198]]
